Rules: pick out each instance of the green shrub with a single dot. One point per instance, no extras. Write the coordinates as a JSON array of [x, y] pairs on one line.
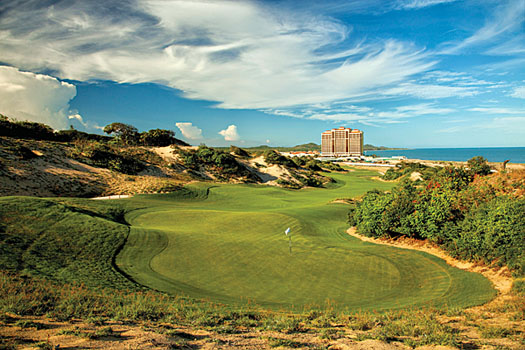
[[470, 222], [274, 157], [222, 164], [405, 169], [104, 156], [239, 151], [495, 231], [157, 137], [25, 129], [479, 165]]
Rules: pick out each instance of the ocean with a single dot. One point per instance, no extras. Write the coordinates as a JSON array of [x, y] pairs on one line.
[[492, 154]]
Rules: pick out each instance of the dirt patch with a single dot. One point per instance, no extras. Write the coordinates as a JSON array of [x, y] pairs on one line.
[[29, 332]]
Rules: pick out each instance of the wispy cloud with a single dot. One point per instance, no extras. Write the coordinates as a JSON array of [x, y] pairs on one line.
[[189, 130], [230, 133], [519, 92], [512, 46], [35, 97], [416, 4], [366, 115], [430, 91], [511, 126], [507, 18], [236, 53], [497, 110]]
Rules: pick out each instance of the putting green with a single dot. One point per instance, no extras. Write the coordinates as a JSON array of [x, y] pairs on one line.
[[226, 243]]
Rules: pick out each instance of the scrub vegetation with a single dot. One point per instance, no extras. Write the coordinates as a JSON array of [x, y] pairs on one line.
[[471, 214], [36, 160]]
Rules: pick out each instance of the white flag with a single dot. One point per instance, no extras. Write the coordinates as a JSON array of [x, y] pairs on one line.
[[287, 231]]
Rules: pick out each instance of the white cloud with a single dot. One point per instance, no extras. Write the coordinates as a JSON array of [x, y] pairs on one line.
[[230, 133], [430, 91], [416, 4], [366, 115], [513, 46], [189, 131], [519, 92], [35, 97], [507, 124], [507, 18], [86, 124], [497, 110], [240, 54], [514, 125]]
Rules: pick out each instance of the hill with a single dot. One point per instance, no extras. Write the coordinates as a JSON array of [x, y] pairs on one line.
[[308, 147], [369, 147], [37, 161], [304, 147]]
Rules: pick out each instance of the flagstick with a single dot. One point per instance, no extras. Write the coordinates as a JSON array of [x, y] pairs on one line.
[[287, 232]]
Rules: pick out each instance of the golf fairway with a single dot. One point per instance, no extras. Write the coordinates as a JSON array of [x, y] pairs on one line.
[[226, 243]]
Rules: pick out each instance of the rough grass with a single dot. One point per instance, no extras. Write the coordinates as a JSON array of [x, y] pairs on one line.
[[227, 244], [26, 296], [62, 241]]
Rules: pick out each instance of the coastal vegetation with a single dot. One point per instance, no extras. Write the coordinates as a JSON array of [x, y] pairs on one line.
[[471, 214], [211, 255], [36, 160]]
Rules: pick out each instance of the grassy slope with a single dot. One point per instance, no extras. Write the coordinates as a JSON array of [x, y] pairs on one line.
[[66, 241], [230, 247]]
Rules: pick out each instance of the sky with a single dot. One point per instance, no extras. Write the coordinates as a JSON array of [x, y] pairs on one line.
[[409, 73]]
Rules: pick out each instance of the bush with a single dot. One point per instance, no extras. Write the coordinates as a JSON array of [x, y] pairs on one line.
[[222, 164], [495, 231], [72, 135], [274, 157], [478, 165], [102, 155], [25, 129], [404, 169], [239, 151], [158, 138], [469, 221]]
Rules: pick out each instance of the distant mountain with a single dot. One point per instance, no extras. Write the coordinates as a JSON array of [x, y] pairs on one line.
[[306, 147], [369, 147]]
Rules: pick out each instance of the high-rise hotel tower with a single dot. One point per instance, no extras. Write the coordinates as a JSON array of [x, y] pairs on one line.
[[342, 142]]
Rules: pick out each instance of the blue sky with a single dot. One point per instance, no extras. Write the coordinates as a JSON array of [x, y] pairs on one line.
[[409, 73]]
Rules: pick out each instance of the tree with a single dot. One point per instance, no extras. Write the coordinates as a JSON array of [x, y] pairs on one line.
[[128, 134]]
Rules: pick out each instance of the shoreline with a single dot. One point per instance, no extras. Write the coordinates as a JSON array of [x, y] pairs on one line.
[[432, 163]]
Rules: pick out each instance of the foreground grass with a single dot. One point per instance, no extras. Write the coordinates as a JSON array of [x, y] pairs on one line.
[[29, 296]]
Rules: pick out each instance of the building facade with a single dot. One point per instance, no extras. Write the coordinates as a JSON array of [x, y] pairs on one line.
[[342, 142]]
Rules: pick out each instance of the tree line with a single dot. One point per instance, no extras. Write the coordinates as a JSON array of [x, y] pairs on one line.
[[121, 133]]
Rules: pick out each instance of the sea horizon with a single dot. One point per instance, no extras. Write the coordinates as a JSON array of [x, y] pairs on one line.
[[457, 154]]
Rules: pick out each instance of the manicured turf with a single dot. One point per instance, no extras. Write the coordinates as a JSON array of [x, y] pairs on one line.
[[226, 243]]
